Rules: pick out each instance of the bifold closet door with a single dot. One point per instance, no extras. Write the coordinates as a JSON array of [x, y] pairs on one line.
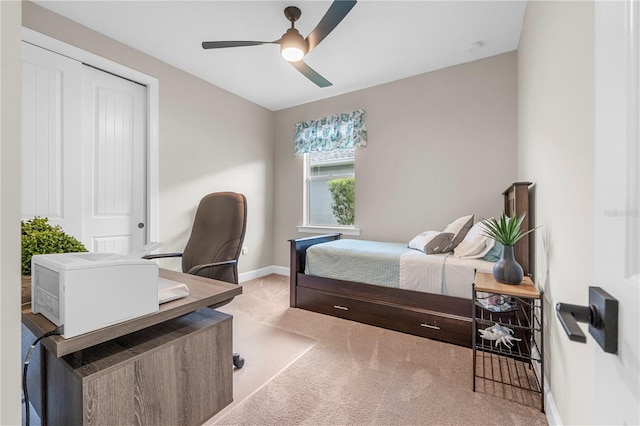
[[114, 172], [84, 151], [51, 138]]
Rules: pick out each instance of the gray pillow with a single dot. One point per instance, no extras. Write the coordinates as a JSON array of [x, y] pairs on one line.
[[431, 242], [459, 229]]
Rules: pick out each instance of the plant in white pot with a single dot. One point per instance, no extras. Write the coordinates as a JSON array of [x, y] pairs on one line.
[[507, 231]]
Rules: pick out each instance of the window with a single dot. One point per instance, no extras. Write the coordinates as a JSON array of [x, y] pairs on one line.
[[329, 187], [328, 146]]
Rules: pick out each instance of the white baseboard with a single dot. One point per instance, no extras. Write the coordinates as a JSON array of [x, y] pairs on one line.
[[550, 407], [281, 270], [263, 272]]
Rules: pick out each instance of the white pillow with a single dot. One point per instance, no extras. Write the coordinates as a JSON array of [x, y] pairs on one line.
[[459, 228], [475, 244], [431, 242]]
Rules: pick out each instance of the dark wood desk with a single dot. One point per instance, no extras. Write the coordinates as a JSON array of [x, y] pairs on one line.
[[170, 367]]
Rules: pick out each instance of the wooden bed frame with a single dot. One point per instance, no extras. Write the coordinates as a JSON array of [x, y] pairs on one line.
[[429, 315]]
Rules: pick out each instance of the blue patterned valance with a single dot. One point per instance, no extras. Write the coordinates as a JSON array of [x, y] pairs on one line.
[[340, 131]]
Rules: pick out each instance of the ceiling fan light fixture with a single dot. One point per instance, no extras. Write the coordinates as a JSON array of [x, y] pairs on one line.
[[292, 46]]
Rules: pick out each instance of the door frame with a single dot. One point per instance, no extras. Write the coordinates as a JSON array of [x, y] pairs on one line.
[[152, 177]]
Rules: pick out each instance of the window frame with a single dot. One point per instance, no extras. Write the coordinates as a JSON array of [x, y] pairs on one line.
[[320, 229]]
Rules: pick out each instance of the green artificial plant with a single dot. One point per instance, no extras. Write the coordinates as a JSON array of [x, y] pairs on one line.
[[343, 193], [505, 230], [40, 237]]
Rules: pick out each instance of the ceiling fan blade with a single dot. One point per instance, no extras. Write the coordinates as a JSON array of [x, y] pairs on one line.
[[222, 44], [337, 11], [308, 72]]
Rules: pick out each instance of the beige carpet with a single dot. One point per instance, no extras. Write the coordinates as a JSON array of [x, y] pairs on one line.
[[267, 351], [356, 374]]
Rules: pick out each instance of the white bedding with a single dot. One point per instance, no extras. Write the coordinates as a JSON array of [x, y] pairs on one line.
[[422, 272], [459, 275], [440, 273]]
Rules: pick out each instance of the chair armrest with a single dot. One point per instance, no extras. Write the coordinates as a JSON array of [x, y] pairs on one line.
[[161, 255], [198, 268]]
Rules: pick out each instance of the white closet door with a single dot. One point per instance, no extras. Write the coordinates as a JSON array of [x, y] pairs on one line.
[[114, 172], [51, 138]]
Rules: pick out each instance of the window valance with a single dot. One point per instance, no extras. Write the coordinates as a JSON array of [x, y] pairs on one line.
[[340, 131]]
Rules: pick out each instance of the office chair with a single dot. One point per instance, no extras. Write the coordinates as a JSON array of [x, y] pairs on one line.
[[215, 242]]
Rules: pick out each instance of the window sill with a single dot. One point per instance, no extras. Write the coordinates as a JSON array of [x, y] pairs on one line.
[[345, 230]]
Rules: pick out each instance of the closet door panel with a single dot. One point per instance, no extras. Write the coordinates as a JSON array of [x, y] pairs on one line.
[[51, 138]]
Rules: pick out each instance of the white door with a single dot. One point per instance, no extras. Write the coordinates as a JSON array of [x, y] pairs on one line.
[[51, 138], [617, 206], [114, 172], [83, 151]]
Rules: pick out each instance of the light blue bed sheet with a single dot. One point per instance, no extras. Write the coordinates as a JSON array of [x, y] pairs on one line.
[[369, 262]]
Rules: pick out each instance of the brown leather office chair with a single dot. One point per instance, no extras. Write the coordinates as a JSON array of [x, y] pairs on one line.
[[216, 237], [215, 242]]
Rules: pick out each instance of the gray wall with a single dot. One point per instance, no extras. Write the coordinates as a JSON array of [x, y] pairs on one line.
[[556, 151], [441, 145], [210, 140], [10, 101]]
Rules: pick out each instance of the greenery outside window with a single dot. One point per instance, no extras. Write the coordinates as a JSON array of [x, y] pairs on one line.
[[329, 188]]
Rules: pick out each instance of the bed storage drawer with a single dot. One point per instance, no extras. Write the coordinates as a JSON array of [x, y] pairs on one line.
[[449, 328]]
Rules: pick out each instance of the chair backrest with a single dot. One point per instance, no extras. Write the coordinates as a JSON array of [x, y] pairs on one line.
[[217, 235]]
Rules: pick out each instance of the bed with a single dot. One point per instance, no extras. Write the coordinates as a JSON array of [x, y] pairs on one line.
[[435, 302]]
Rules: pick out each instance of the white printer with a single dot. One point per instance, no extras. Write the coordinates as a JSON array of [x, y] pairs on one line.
[[87, 291]]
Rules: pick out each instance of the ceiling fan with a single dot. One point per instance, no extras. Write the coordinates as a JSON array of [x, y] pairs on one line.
[[293, 47]]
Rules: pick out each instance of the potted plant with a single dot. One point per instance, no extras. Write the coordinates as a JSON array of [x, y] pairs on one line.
[[507, 231], [40, 237]]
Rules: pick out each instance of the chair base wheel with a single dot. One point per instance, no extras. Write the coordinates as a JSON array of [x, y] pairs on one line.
[[238, 361]]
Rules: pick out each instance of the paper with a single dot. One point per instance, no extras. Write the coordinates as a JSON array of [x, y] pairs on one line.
[[171, 290]]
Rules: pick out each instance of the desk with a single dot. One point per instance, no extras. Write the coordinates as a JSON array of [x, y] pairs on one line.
[[170, 367]]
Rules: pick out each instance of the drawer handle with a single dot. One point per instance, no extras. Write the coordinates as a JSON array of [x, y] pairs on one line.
[[343, 308], [435, 327]]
